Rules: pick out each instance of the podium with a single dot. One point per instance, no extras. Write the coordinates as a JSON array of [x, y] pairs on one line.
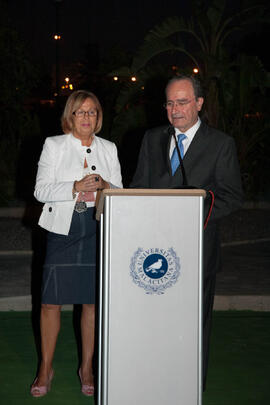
[[150, 298]]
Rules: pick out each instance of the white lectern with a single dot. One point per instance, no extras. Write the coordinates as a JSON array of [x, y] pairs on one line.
[[150, 332]]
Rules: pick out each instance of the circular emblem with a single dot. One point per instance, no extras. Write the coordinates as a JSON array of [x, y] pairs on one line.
[[155, 269], [155, 266]]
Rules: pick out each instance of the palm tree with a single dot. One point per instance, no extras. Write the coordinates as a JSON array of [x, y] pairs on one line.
[[245, 116], [203, 41], [208, 40]]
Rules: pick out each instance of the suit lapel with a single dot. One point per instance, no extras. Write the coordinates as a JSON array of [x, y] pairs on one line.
[[197, 145], [165, 148]]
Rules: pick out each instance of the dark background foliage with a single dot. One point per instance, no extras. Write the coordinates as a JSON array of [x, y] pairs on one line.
[[225, 40]]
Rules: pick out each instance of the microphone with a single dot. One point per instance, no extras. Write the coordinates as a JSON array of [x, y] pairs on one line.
[[171, 132]]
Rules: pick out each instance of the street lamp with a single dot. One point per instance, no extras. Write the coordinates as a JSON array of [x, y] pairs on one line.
[[57, 38]]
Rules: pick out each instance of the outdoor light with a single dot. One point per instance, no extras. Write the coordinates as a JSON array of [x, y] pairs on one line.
[[133, 78], [68, 85], [196, 70], [57, 37], [115, 78]]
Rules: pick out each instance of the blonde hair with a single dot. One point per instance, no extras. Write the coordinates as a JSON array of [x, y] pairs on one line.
[[75, 100]]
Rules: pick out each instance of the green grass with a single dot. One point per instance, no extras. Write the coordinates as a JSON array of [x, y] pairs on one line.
[[18, 363], [239, 369]]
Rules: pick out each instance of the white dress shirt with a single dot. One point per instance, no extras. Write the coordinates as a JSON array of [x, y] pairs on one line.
[[190, 133]]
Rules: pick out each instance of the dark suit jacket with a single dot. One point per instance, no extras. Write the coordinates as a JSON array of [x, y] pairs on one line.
[[210, 163]]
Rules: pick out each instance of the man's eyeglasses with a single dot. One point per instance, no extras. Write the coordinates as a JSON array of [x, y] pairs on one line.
[[177, 103], [82, 114]]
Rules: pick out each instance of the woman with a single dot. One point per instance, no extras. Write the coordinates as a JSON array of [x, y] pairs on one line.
[[71, 169]]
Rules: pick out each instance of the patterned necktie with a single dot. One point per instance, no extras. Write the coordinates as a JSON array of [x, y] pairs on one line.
[[175, 158]]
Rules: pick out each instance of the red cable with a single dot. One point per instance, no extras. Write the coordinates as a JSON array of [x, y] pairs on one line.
[[210, 209]]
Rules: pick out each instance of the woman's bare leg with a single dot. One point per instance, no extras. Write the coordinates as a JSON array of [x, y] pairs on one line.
[[88, 338], [49, 327]]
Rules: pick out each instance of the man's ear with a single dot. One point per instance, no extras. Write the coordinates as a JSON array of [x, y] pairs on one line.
[[199, 102]]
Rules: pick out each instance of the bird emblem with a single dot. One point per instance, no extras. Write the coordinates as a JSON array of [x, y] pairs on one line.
[[154, 267]]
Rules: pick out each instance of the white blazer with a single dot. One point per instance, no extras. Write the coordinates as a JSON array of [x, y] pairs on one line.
[[60, 164]]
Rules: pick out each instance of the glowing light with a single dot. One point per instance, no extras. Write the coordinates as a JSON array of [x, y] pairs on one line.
[[196, 70], [133, 78], [57, 37], [67, 79], [70, 87], [115, 78]]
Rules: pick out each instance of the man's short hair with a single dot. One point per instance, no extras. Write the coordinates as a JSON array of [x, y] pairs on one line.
[[196, 84]]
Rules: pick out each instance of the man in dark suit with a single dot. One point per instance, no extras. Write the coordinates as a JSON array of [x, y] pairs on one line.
[[210, 163]]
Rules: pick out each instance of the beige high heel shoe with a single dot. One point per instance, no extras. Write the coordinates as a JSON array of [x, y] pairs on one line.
[[39, 391], [86, 389]]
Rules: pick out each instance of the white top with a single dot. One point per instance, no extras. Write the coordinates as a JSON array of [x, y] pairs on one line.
[[61, 163]]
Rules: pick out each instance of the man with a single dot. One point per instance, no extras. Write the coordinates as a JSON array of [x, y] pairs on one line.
[[210, 163]]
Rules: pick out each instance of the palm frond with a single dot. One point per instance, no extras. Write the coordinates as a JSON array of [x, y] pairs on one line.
[[121, 71], [168, 27], [127, 121], [126, 96], [161, 44], [255, 14], [149, 50]]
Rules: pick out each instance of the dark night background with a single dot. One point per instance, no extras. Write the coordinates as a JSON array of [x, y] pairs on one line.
[[100, 23], [83, 22], [98, 37]]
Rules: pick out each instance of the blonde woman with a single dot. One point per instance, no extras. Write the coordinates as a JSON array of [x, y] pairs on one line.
[[72, 167]]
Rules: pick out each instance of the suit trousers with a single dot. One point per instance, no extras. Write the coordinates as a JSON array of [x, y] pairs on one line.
[[208, 303]]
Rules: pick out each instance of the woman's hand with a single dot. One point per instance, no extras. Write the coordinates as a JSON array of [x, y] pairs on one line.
[[91, 182]]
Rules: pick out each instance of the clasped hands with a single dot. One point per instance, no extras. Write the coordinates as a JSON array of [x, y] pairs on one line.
[[90, 182]]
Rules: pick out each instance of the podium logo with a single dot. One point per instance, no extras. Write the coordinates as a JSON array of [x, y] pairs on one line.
[[155, 269]]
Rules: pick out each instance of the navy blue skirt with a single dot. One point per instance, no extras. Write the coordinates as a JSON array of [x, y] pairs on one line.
[[69, 273]]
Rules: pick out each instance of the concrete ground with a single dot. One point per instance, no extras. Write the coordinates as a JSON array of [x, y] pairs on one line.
[[244, 282]]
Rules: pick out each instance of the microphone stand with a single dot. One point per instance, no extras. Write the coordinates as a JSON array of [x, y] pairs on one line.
[[171, 132]]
